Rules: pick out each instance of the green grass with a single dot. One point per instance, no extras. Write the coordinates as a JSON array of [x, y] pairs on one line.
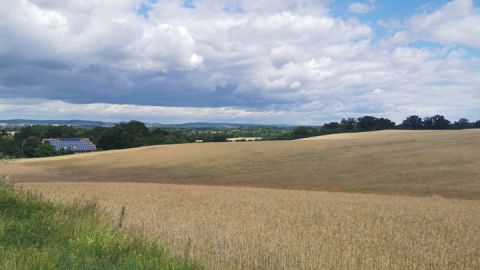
[[37, 234]]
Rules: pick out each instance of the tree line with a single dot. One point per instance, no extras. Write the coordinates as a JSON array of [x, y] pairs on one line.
[[27, 142], [371, 123]]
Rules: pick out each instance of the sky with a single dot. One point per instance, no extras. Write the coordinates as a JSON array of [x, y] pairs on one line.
[[245, 61]]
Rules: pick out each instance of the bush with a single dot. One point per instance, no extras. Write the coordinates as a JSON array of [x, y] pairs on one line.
[[44, 150], [29, 146]]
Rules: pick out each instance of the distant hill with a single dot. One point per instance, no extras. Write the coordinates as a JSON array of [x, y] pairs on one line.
[[77, 123], [212, 125], [87, 123]]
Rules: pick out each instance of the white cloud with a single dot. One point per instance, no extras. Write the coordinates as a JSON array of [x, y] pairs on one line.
[[249, 59], [164, 47], [457, 22], [360, 8], [96, 33], [377, 91], [45, 109]]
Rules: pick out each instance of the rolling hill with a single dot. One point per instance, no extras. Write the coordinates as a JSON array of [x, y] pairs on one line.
[[445, 163]]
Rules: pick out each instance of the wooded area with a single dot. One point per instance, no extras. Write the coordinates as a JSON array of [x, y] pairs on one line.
[[27, 141]]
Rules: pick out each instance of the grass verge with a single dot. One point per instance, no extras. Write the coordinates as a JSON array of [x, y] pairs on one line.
[[37, 234]]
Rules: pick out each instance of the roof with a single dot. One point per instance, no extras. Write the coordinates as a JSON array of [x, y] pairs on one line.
[[244, 139], [72, 144]]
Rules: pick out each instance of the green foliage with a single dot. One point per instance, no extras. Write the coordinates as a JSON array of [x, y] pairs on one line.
[[27, 142], [332, 126], [114, 138], [44, 150], [62, 152], [8, 147], [29, 145], [30, 131], [136, 133], [365, 123], [412, 122], [373, 123], [348, 124], [303, 131], [463, 123], [369, 123], [36, 234], [221, 134], [60, 132], [436, 122]]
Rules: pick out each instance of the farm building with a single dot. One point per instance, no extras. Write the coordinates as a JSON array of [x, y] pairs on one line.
[[244, 139], [76, 145]]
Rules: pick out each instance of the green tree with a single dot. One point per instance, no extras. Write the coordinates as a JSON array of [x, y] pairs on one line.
[[301, 132], [373, 123], [124, 135], [436, 122], [412, 122], [29, 131], [349, 123], [332, 125], [60, 132], [44, 150], [8, 147], [217, 137], [114, 138], [384, 123], [462, 123], [29, 145], [367, 122], [135, 128]]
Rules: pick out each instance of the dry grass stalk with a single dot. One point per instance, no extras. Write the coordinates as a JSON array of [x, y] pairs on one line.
[[249, 228]]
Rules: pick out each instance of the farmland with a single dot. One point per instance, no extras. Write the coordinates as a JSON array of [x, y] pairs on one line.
[[378, 200], [425, 163], [252, 228], [38, 234]]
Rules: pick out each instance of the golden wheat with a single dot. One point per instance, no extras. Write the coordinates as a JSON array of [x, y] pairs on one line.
[[445, 163], [251, 228]]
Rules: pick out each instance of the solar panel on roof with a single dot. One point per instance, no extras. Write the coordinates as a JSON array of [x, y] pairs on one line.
[[72, 144]]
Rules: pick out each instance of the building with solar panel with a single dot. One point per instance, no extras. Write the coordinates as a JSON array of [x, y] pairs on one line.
[[76, 145]]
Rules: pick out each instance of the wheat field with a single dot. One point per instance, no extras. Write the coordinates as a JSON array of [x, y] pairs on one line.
[[376, 200], [424, 163], [254, 228]]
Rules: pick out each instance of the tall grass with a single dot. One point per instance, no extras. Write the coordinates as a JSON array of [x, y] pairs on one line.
[[37, 234]]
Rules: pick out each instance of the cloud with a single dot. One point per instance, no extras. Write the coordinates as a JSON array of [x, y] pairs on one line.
[[283, 61], [45, 109], [94, 33], [360, 8], [177, 56], [454, 23]]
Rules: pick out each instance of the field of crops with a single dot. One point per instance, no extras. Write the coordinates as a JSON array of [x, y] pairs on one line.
[[252, 228], [425, 163], [380, 200]]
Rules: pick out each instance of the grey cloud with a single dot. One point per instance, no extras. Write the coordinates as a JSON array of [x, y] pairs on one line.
[[291, 57]]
